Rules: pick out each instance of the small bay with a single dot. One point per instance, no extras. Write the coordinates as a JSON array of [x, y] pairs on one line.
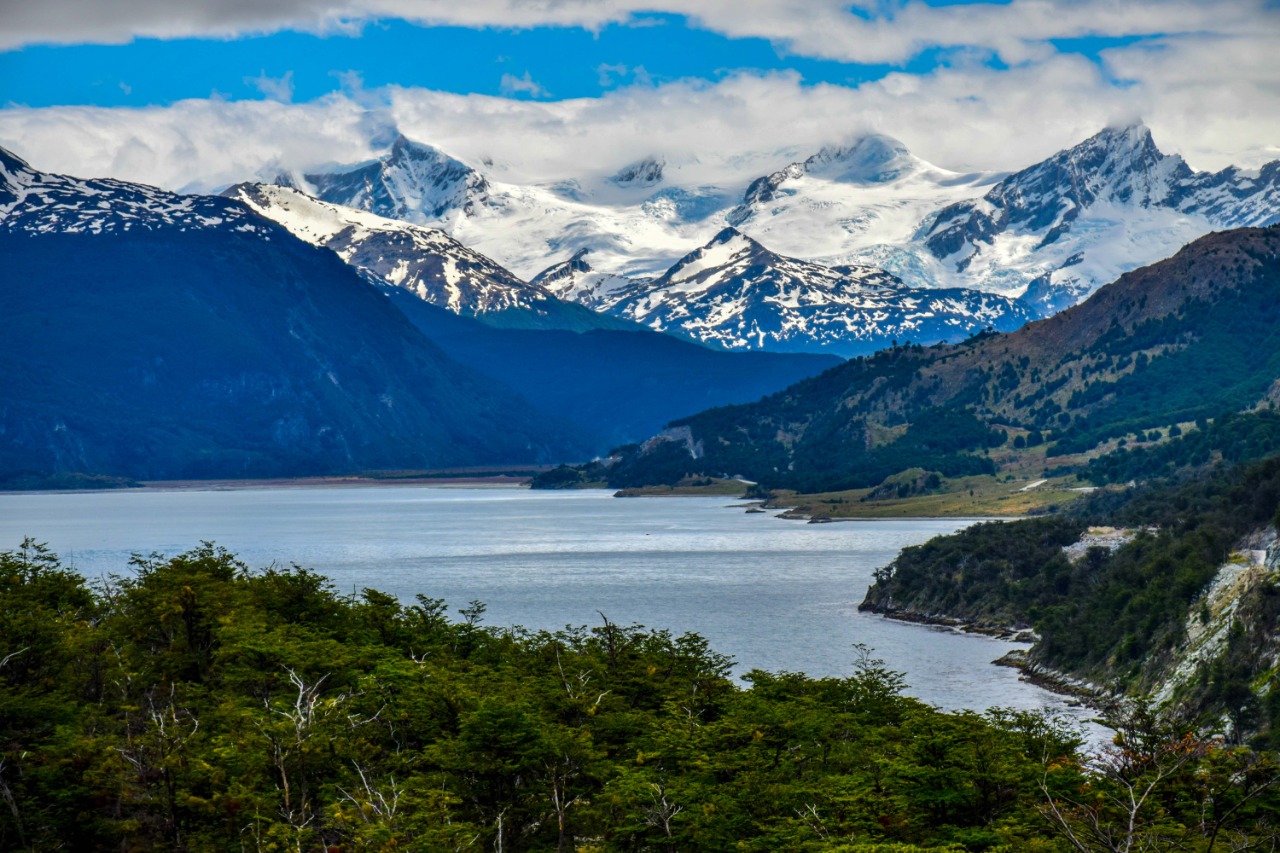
[[773, 594]]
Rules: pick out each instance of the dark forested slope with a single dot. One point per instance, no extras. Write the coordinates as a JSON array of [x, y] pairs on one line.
[[620, 386], [217, 353]]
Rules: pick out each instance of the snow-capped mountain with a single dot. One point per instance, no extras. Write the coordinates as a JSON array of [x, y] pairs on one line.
[[576, 281], [1089, 213], [635, 222], [736, 293], [861, 202], [157, 335], [413, 182], [36, 202], [424, 261], [1050, 233]]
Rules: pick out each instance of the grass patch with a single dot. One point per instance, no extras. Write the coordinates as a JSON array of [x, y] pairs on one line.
[[690, 487], [982, 495]]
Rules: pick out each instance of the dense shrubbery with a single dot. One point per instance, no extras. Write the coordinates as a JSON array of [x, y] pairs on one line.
[[195, 705], [199, 706], [1232, 438], [995, 573]]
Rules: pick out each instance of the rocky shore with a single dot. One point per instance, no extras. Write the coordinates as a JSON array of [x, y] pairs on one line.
[[1085, 693]]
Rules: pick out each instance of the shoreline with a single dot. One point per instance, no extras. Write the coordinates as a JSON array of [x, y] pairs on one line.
[[496, 481], [1086, 694]]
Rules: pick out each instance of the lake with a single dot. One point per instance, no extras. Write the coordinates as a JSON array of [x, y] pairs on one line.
[[772, 593]]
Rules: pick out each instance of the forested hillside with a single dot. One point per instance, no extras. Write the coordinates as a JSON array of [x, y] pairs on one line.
[[1168, 588]]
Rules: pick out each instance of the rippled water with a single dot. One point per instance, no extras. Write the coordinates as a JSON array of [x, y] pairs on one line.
[[774, 594]]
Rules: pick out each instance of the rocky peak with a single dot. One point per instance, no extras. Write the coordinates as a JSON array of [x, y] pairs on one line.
[[564, 270], [874, 158], [413, 181], [10, 162], [643, 173]]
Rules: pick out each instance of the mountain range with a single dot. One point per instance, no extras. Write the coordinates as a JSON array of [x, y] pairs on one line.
[[891, 249], [424, 261], [155, 335], [1194, 336], [732, 293], [736, 293], [1115, 200]]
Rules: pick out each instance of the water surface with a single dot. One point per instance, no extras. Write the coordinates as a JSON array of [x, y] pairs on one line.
[[774, 594]]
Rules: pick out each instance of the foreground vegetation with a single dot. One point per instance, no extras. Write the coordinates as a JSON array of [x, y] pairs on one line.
[[197, 705]]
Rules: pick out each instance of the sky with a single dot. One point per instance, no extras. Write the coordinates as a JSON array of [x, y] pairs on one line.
[[195, 94]]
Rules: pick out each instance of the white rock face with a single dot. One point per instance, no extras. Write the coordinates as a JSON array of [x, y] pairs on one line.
[[1205, 640]]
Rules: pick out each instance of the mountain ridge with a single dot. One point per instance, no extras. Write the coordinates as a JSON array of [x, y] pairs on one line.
[[737, 294], [1190, 336], [160, 336]]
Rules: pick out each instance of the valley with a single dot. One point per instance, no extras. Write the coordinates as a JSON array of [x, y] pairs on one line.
[[663, 427]]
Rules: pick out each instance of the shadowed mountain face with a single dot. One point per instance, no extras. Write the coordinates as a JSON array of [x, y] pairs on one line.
[[175, 336], [621, 386], [1192, 336]]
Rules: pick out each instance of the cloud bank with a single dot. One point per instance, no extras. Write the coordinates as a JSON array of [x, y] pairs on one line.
[[1207, 85], [866, 31]]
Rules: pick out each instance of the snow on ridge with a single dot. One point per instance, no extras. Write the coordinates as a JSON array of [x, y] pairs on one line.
[[35, 202], [735, 293], [424, 261], [576, 281], [1089, 213]]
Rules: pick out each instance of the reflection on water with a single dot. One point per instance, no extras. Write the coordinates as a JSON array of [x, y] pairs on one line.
[[776, 595]]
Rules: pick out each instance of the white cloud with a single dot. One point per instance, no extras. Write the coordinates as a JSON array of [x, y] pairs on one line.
[[1213, 99], [607, 74], [883, 31], [523, 85], [275, 88]]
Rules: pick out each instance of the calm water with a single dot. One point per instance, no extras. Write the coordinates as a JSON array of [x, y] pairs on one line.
[[773, 594]]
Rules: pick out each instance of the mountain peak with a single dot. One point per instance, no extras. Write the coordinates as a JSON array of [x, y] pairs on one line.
[[406, 150], [11, 162], [642, 173], [1129, 144], [415, 182], [725, 234], [1131, 125], [873, 158]]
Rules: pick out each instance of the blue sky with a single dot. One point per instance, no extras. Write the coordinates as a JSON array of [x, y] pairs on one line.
[[197, 93], [538, 62]]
